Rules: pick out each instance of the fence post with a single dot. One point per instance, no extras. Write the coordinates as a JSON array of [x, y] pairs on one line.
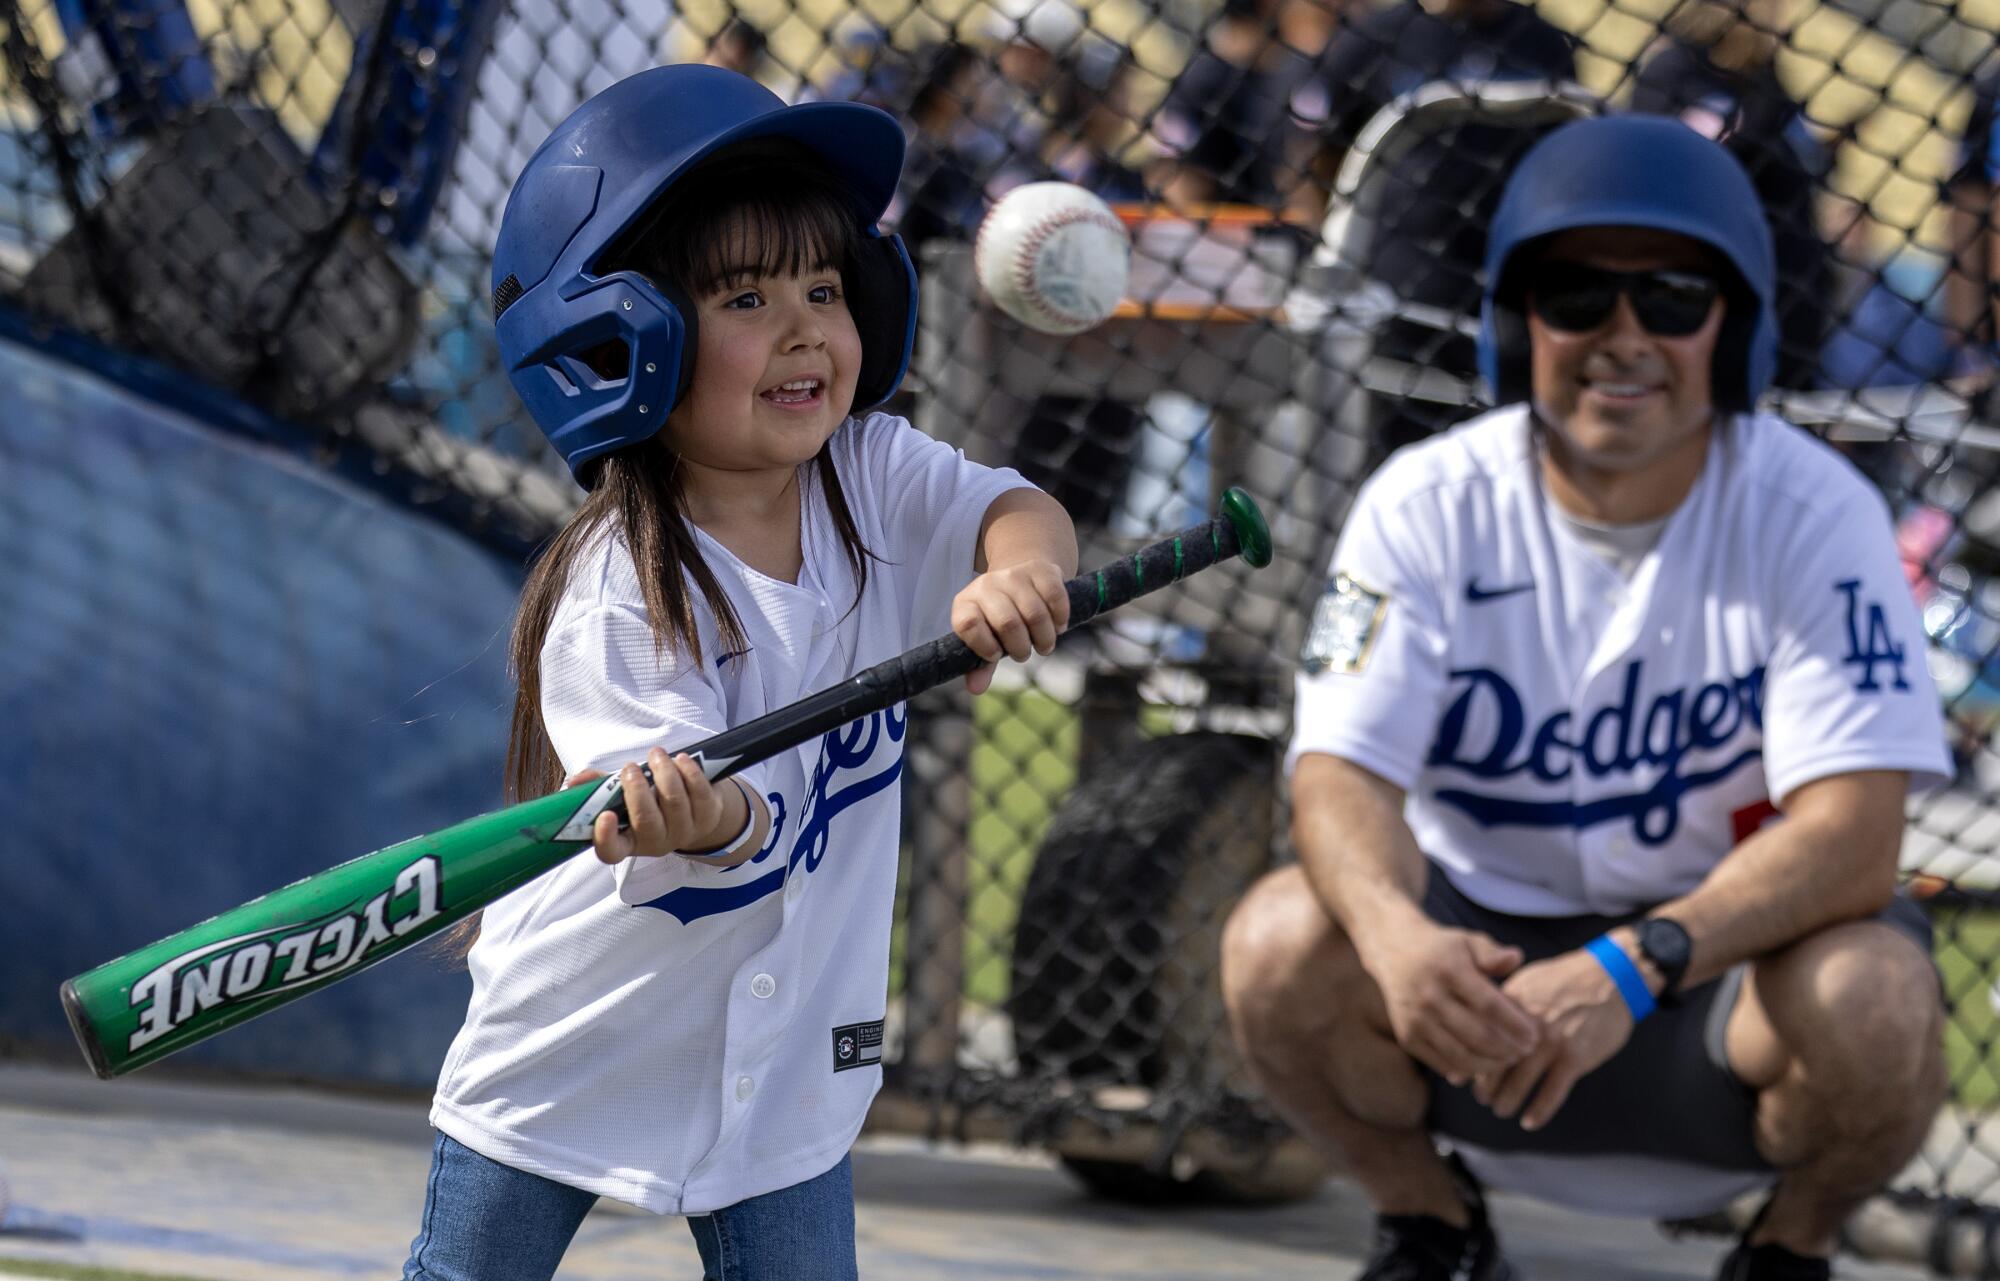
[[938, 774]]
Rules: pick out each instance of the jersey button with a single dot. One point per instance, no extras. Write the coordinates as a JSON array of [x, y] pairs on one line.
[[763, 986], [745, 1087], [794, 886]]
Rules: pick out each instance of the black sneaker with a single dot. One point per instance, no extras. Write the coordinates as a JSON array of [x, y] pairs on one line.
[[1772, 1262], [1421, 1247]]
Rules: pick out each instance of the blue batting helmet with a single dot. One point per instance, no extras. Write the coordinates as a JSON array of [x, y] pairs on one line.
[[557, 303], [1633, 171]]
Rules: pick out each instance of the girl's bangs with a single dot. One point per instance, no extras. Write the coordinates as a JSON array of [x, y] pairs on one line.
[[783, 218]]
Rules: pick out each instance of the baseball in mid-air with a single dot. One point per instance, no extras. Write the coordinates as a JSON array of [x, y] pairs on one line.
[[1053, 256]]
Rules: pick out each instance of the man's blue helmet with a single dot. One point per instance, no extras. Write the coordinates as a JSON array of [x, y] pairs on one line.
[[1632, 171], [557, 304]]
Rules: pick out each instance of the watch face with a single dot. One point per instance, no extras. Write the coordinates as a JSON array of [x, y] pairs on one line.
[[1666, 945]]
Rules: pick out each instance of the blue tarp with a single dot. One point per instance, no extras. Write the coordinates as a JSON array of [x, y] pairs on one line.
[[222, 670]]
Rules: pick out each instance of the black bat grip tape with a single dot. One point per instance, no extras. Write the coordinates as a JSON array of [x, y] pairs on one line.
[[1167, 561], [935, 662]]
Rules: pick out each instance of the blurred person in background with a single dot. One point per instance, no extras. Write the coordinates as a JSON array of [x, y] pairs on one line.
[[1881, 333], [1309, 27], [1714, 70], [739, 47], [867, 68], [1446, 187], [1032, 44], [1093, 122], [941, 195], [1970, 192], [976, 119], [1383, 54], [1223, 126]]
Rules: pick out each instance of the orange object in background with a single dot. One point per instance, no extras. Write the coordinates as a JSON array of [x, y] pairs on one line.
[[1208, 262]]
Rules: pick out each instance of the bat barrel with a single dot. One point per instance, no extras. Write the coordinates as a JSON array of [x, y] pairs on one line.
[[85, 1031], [272, 950]]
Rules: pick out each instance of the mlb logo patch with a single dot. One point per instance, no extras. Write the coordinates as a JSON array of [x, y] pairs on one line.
[[1344, 627]]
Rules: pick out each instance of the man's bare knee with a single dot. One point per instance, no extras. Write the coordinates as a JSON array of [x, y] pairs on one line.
[[1278, 945], [1852, 990], [1857, 1011]]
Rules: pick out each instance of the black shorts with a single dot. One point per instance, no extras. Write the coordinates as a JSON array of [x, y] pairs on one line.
[[1668, 1093]]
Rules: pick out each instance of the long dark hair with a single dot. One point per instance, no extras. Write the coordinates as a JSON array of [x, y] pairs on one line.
[[765, 206]]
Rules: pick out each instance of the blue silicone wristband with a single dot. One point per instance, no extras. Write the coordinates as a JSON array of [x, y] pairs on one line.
[[1631, 984]]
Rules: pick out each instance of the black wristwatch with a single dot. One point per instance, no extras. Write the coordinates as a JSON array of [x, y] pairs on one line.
[[1667, 948]]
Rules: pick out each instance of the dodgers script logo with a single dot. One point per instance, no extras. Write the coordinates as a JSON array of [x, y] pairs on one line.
[[1613, 740], [856, 761]]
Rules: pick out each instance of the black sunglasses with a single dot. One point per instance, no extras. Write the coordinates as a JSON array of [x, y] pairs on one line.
[[1577, 299]]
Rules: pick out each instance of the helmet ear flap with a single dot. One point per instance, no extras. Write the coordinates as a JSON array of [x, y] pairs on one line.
[[1515, 356], [1735, 347], [684, 306], [882, 298], [1505, 356]]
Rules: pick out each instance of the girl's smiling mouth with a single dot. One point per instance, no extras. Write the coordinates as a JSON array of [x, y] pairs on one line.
[[796, 393]]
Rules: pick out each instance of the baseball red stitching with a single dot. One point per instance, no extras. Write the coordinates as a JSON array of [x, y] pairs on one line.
[[1022, 268]]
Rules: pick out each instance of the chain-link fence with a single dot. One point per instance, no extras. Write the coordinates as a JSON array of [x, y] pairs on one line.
[[293, 201]]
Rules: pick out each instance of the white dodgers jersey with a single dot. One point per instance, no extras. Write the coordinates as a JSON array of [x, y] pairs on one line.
[[683, 1036], [1572, 741]]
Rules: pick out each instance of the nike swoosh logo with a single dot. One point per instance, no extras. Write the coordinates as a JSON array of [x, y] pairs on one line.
[[1477, 594]]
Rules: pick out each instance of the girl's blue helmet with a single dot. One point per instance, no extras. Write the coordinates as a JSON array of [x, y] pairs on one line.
[[556, 303], [1633, 171]]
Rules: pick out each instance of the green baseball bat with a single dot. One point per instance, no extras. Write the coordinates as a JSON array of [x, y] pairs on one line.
[[145, 1005]]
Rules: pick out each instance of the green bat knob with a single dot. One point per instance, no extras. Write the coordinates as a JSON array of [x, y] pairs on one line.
[[1253, 536]]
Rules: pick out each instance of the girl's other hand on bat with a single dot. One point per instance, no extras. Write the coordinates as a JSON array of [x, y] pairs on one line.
[[1010, 612], [682, 810]]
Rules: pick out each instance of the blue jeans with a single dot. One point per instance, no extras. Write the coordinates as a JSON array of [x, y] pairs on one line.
[[484, 1221]]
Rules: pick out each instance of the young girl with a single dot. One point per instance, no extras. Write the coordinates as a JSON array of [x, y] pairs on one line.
[[690, 298]]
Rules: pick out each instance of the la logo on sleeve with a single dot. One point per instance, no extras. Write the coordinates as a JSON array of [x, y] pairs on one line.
[[1870, 642]]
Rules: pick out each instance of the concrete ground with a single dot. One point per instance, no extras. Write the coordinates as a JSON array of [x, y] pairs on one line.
[[224, 1184]]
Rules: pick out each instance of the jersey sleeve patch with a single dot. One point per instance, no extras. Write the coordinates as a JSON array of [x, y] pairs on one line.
[[1345, 623], [1870, 643]]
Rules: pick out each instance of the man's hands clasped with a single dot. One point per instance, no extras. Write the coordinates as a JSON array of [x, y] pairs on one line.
[[1584, 1022], [1440, 986], [1522, 1035]]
